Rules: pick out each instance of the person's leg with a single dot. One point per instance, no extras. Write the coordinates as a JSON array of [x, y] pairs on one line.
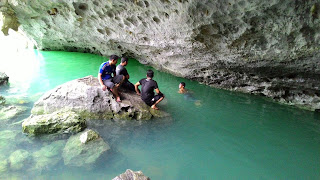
[[158, 98], [112, 88], [118, 81]]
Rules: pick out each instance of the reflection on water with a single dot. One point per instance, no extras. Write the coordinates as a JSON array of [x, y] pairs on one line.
[[229, 136]]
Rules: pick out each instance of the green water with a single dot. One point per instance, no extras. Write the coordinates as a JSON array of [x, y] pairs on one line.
[[221, 135]]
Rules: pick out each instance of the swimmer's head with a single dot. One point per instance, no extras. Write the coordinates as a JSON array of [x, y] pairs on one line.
[[182, 84]]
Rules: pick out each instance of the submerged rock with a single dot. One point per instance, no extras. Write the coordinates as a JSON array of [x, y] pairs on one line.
[[48, 156], [18, 99], [131, 175], [85, 97], [9, 112], [56, 122], [77, 153], [3, 78], [19, 159], [7, 141], [4, 165]]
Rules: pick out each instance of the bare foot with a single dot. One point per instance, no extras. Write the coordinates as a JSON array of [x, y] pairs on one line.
[[118, 99], [154, 107]]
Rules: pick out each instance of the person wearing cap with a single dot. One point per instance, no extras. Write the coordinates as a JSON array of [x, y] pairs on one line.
[[121, 70], [148, 85], [106, 80]]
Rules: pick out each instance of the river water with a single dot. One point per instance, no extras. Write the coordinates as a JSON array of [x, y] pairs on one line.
[[215, 134]]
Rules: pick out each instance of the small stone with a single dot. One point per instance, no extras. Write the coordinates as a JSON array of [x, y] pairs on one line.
[[2, 100], [131, 175], [3, 78]]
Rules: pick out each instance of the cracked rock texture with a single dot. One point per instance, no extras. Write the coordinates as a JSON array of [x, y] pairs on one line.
[[262, 47]]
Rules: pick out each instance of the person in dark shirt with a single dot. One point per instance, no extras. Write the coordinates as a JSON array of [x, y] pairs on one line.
[[121, 70], [148, 85], [107, 80]]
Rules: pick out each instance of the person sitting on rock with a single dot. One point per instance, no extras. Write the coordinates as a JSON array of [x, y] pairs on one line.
[[121, 70], [105, 76], [148, 85]]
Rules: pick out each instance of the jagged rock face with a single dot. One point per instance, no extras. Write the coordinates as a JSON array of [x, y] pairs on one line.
[[264, 47]]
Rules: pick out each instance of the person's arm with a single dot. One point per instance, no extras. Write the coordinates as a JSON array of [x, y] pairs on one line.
[[127, 76], [158, 92], [101, 82], [136, 88]]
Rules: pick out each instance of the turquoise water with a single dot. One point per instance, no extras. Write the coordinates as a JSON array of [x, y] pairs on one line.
[[217, 134]]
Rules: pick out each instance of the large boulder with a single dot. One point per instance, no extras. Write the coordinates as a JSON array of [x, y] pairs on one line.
[[3, 78], [84, 149], [131, 175], [86, 97], [56, 122]]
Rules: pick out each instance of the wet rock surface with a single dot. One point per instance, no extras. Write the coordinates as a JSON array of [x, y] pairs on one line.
[[56, 122], [131, 175], [257, 47], [3, 79], [48, 156], [83, 153]]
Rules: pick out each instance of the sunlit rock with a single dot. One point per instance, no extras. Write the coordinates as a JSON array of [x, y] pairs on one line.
[[3, 78], [85, 97], [88, 135], [131, 175], [48, 156], [77, 153], [19, 159], [56, 122]]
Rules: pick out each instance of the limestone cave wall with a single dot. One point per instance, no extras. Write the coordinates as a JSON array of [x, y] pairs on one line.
[[256, 46]]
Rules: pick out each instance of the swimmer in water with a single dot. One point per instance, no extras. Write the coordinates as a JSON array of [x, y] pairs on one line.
[[187, 94]]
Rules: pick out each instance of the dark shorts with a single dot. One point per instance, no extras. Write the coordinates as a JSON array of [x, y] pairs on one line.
[[154, 99], [112, 81], [128, 85]]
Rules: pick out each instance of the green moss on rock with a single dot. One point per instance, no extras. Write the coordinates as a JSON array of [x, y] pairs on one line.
[[57, 122], [76, 153]]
